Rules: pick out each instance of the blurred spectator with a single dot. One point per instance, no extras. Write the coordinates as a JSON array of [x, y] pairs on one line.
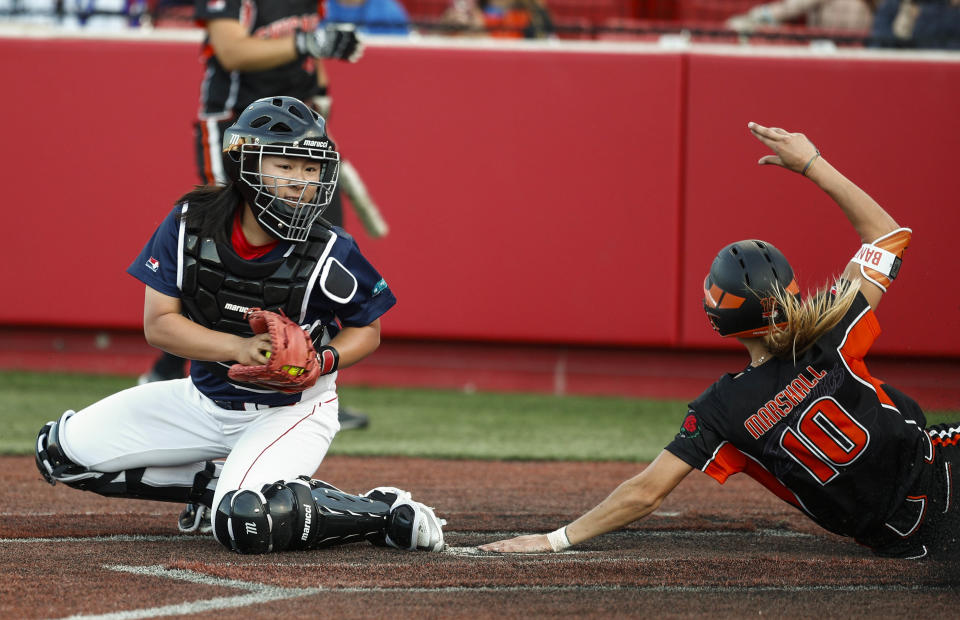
[[833, 14], [370, 16], [930, 24], [100, 15], [517, 19]]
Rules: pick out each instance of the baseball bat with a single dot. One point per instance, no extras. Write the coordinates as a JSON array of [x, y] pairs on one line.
[[352, 185]]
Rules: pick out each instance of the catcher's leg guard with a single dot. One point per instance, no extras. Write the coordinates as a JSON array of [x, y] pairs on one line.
[[300, 514], [53, 463], [347, 518], [412, 526], [55, 466]]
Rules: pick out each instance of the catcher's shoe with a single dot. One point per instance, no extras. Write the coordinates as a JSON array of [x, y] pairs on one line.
[[412, 526], [195, 518]]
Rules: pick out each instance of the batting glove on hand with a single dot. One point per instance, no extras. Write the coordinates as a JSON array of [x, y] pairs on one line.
[[338, 41]]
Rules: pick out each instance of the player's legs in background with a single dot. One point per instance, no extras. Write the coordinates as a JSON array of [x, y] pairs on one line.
[[167, 366]]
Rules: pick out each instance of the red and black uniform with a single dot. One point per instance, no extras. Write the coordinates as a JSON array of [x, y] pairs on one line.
[[224, 94], [822, 434]]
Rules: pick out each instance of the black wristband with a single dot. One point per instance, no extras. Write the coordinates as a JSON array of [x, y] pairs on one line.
[[329, 359]]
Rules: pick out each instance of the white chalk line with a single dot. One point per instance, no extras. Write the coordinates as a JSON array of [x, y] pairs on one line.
[[260, 593]]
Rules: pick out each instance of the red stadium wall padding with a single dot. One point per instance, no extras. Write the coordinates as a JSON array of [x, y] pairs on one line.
[[525, 191], [500, 174], [892, 127], [98, 146], [534, 195]]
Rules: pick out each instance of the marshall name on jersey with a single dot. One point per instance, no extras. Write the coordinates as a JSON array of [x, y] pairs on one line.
[[783, 424]]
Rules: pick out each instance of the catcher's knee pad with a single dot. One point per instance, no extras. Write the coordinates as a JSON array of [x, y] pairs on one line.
[[53, 463], [243, 522]]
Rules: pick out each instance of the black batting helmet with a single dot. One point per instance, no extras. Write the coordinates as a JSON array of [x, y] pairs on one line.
[[285, 127], [738, 293]]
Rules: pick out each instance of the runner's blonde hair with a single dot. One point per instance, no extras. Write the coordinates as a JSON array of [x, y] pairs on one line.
[[809, 319]]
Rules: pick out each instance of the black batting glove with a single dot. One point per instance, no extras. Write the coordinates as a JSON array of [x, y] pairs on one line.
[[338, 41]]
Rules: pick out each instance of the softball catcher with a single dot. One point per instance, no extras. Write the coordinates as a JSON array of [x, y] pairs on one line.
[[269, 302]]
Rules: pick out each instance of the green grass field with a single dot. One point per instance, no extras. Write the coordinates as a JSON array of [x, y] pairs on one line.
[[408, 422]]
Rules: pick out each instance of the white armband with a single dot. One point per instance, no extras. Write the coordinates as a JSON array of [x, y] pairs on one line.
[[880, 261], [558, 539]]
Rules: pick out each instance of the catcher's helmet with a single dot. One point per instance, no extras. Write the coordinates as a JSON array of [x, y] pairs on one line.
[[286, 127], [738, 292]]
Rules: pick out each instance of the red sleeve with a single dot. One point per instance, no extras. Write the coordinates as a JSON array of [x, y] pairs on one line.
[[728, 461]]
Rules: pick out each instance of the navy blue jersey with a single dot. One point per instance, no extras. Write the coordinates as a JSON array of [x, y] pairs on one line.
[[821, 433], [226, 92], [361, 302]]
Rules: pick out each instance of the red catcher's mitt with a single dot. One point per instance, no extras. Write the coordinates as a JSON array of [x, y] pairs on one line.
[[292, 366]]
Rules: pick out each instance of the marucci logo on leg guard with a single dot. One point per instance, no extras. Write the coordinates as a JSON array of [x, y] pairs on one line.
[[251, 528], [307, 517]]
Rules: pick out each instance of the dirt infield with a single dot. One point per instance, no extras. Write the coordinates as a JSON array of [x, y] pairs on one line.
[[723, 552]]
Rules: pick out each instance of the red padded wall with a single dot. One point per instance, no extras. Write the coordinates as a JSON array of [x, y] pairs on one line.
[[888, 126], [531, 194], [541, 195], [98, 136]]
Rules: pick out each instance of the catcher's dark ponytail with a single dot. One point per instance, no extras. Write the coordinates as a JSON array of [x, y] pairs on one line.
[[212, 208]]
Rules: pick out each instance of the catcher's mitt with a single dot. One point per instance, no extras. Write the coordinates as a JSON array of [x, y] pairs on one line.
[[292, 367]]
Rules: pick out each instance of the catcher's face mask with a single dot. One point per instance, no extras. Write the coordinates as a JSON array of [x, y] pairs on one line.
[[292, 186], [287, 198]]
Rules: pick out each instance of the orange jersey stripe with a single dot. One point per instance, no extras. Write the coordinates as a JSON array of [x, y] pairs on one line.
[[861, 336], [728, 460]]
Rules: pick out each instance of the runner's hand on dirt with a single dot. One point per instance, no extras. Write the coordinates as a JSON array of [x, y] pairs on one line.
[[531, 543]]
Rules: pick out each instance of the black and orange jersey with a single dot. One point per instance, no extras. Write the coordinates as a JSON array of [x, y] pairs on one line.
[[224, 93], [820, 432]]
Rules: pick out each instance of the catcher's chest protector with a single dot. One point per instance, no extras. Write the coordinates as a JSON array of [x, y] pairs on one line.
[[218, 287]]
